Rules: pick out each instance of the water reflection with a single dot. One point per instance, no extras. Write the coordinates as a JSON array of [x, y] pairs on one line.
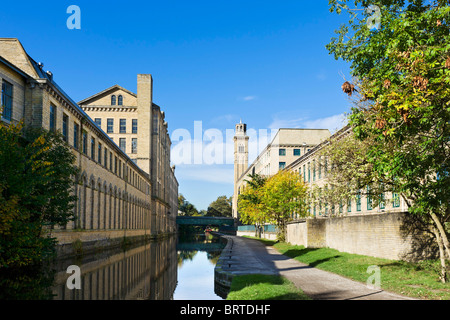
[[150, 271], [146, 272], [197, 257]]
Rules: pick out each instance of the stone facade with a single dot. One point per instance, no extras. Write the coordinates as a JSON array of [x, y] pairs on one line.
[[311, 168], [378, 235], [142, 133], [114, 193]]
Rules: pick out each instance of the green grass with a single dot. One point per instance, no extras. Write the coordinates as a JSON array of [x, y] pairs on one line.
[[264, 287], [418, 280]]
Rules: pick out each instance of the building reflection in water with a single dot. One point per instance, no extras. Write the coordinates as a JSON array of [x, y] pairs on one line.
[[145, 272]]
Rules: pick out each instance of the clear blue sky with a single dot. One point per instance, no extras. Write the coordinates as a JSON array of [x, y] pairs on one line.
[[264, 62]]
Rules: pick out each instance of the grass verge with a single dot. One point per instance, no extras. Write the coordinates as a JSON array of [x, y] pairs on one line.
[[264, 287], [418, 280]]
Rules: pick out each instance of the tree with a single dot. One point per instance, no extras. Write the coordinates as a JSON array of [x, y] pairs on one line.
[[401, 92], [284, 196], [36, 193], [349, 174], [185, 207], [250, 204], [181, 200], [221, 207]]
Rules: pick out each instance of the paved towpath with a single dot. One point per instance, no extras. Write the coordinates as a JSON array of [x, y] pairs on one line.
[[249, 256]]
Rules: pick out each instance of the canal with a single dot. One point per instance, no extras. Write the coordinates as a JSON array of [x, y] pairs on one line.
[[177, 268]]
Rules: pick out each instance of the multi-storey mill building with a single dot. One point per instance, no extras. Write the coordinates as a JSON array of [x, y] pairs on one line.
[[141, 132], [126, 188], [287, 146]]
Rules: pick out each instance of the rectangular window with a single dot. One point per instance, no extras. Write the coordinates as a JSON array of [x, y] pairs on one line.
[[99, 154], [65, 128], [52, 126], [369, 199], [110, 161], [314, 170], [98, 122], [115, 165], [349, 205], [320, 168], [7, 99], [123, 144], [123, 125], [105, 158], [85, 142], [76, 132], [382, 204], [155, 123], [134, 126], [395, 200], [304, 173], [282, 165], [297, 152], [134, 145], [282, 152], [93, 148], [309, 172], [358, 201], [110, 126]]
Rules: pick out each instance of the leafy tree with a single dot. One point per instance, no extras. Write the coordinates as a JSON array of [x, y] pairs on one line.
[[36, 193], [401, 92], [221, 207], [349, 173], [186, 208], [284, 196], [250, 202], [181, 200]]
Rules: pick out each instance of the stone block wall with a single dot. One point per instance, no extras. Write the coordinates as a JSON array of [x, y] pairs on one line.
[[377, 235]]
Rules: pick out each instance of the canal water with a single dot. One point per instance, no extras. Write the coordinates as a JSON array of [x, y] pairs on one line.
[[169, 269]]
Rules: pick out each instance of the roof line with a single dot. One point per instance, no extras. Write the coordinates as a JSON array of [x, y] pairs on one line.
[[116, 86]]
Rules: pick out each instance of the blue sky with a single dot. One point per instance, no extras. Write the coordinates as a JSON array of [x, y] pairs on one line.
[[217, 62]]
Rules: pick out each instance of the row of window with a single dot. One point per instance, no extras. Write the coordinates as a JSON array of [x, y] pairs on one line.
[[122, 125], [96, 151], [381, 205], [315, 169], [296, 152], [117, 100]]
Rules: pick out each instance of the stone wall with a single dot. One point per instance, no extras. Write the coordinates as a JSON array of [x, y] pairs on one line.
[[377, 235]]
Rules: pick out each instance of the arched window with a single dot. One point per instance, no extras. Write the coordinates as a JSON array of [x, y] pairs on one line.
[[113, 100], [120, 101]]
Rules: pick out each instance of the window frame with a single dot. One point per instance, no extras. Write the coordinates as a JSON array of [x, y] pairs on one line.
[[123, 126], [110, 125], [124, 140], [134, 126], [134, 145], [52, 119], [65, 127], [76, 133], [7, 101]]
